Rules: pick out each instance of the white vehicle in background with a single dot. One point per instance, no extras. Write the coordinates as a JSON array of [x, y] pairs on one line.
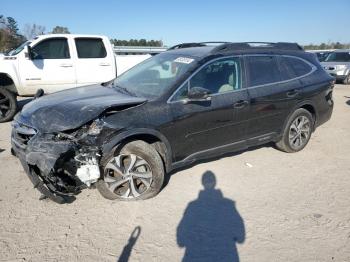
[[128, 56], [321, 54], [56, 62], [337, 64]]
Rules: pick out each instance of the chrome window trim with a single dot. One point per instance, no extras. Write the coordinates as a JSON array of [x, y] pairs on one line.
[[313, 69], [187, 81]]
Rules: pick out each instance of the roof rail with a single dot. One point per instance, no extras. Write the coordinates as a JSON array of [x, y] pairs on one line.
[[257, 45], [186, 45], [229, 46], [199, 44]]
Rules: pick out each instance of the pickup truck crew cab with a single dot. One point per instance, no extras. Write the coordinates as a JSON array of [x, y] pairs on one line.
[[53, 63]]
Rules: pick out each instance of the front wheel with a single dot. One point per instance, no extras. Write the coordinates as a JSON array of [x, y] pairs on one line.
[[297, 132], [136, 172], [8, 105], [346, 81]]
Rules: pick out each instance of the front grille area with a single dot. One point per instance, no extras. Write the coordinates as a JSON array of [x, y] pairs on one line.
[[21, 134]]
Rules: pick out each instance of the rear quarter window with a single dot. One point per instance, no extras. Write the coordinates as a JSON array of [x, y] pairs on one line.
[[295, 66], [90, 48]]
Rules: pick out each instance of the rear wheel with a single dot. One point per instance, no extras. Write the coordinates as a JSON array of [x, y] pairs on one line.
[[8, 105], [136, 172], [297, 132]]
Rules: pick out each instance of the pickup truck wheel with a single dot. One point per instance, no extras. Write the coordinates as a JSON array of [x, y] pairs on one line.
[[136, 172], [346, 81], [8, 105], [297, 132]]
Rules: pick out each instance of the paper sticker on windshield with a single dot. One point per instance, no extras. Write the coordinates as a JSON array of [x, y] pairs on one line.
[[184, 60]]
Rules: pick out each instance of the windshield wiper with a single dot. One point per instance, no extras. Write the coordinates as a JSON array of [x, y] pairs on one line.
[[125, 90]]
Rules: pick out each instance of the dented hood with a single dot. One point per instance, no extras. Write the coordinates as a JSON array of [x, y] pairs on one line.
[[73, 108]]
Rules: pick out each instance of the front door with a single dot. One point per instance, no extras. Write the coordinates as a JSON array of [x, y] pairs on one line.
[[50, 68], [207, 125]]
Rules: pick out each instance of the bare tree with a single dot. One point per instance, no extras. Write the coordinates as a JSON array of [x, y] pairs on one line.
[[32, 30], [60, 30]]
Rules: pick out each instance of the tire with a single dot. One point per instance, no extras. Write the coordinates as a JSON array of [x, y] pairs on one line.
[[8, 105], [346, 81], [147, 162], [287, 143]]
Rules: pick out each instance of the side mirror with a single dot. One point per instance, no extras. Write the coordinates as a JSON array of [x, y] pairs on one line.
[[198, 94], [28, 52]]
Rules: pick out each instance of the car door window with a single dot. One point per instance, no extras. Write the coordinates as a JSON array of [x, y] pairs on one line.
[[262, 70], [90, 48], [219, 76], [287, 72], [297, 66], [54, 48]]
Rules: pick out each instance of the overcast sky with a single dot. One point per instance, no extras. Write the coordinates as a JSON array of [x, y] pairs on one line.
[[302, 21]]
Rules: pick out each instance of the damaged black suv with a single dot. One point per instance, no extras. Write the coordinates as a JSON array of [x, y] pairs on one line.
[[194, 101]]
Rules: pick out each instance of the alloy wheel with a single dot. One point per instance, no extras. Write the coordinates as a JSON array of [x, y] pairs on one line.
[[128, 176], [299, 132]]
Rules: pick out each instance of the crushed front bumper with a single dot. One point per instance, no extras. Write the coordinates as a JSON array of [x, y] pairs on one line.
[[43, 159]]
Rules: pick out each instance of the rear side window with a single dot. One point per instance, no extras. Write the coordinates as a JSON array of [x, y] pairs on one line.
[[262, 70], [54, 48], [90, 48], [286, 72], [296, 66]]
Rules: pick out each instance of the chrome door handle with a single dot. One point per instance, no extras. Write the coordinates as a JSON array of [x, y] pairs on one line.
[[293, 93], [66, 65], [240, 104], [105, 64]]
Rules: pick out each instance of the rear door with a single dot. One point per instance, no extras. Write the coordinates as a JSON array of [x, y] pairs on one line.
[[51, 67], [208, 125], [273, 91], [95, 61]]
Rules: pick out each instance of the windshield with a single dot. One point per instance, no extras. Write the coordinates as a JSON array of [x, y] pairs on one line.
[[18, 49], [153, 77], [338, 57], [322, 56]]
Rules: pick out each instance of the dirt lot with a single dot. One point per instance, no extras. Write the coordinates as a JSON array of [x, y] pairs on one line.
[[267, 206]]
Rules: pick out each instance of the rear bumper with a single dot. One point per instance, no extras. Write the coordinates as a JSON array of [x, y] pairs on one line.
[[325, 111], [324, 117]]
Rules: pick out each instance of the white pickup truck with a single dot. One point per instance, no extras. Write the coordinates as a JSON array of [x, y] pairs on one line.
[[56, 62]]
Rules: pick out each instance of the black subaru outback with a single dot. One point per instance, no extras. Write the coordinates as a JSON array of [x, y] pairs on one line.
[[194, 101]]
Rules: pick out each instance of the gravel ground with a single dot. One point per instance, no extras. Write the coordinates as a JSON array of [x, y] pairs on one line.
[[266, 206]]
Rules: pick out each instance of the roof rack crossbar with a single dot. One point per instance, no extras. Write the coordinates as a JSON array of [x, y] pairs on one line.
[[196, 44]]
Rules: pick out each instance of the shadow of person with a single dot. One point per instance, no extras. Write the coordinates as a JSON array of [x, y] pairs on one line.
[[125, 255], [211, 226]]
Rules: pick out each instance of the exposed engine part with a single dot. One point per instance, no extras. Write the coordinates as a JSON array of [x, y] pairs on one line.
[[88, 174], [88, 171]]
